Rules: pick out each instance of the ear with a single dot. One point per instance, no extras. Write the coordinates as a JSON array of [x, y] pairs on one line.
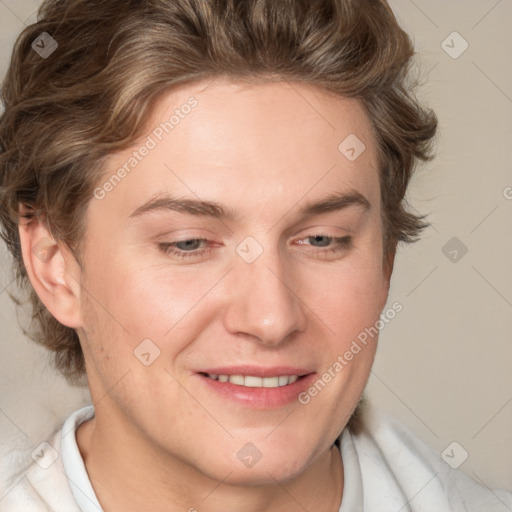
[[52, 269]]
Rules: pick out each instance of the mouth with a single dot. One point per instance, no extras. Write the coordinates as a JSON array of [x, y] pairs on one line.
[[256, 387], [253, 381]]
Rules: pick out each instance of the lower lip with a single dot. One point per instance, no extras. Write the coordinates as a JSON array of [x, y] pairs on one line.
[[259, 398]]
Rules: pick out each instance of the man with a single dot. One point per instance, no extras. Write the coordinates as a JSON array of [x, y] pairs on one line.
[[206, 198]]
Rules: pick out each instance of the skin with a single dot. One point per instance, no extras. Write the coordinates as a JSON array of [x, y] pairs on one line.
[[161, 440]]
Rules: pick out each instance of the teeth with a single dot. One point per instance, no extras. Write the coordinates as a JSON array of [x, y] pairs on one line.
[[283, 380], [250, 381], [253, 382], [239, 380], [270, 382]]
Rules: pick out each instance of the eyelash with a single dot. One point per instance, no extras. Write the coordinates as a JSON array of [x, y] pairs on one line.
[[342, 243]]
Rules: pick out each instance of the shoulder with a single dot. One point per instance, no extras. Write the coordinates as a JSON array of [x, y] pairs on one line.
[[398, 469], [33, 478]]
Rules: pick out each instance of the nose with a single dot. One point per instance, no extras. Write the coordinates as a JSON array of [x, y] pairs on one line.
[[263, 303]]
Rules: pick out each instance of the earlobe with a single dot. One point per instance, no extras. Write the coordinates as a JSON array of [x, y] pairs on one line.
[[51, 272]]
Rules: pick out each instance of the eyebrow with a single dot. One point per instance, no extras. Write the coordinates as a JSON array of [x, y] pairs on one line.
[[164, 202]]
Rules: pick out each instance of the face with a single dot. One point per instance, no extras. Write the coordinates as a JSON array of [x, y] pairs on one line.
[[228, 270]]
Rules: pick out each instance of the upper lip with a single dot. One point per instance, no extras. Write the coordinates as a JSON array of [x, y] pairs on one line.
[[257, 371]]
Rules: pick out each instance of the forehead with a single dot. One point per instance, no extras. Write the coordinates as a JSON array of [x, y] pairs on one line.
[[249, 144]]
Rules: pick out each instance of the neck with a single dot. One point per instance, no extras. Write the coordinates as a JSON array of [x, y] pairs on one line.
[[140, 478]]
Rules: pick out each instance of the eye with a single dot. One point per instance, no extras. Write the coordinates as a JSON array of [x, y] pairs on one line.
[[323, 245], [327, 245], [194, 247]]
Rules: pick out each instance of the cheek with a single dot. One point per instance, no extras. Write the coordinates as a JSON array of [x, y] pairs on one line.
[[157, 301], [166, 305], [350, 298]]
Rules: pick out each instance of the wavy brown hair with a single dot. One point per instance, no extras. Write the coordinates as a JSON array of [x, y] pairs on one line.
[[64, 114]]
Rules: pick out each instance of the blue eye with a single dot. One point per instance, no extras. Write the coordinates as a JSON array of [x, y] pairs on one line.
[[198, 247], [326, 243], [185, 248]]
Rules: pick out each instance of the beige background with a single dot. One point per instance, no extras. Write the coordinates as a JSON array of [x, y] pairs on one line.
[[444, 363]]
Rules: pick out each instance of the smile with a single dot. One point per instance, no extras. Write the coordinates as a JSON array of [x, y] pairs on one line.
[[251, 381]]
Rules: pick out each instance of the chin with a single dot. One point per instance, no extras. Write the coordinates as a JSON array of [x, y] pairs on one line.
[[260, 470], [266, 473]]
